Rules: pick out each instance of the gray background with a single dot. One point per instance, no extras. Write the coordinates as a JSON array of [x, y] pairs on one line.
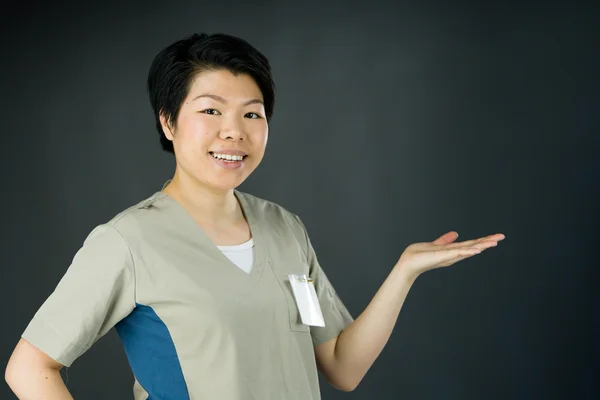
[[392, 125]]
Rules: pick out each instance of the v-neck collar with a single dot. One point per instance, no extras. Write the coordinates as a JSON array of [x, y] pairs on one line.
[[259, 261]]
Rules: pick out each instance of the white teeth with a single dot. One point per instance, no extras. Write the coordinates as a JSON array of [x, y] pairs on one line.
[[227, 157]]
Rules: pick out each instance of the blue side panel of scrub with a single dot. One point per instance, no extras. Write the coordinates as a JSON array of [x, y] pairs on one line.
[[152, 355]]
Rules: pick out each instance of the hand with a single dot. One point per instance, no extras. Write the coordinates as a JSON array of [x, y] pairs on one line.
[[443, 252]]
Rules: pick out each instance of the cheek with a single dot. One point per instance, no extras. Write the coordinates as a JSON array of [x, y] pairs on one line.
[[261, 136], [265, 139], [194, 136]]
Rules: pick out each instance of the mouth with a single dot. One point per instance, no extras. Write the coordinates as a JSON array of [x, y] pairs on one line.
[[228, 158], [229, 161]]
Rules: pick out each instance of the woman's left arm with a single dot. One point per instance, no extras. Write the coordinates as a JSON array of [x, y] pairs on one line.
[[345, 360]]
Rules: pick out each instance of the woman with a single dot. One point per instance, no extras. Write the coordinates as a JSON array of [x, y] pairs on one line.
[[199, 279]]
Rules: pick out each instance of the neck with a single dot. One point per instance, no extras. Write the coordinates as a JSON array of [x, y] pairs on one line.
[[204, 203]]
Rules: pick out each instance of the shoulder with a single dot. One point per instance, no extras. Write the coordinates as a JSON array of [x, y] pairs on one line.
[[131, 221], [273, 213], [266, 209]]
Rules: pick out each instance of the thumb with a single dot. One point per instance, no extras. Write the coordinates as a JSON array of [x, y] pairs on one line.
[[446, 238]]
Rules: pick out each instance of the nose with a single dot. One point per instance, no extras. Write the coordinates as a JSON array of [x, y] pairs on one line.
[[232, 129]]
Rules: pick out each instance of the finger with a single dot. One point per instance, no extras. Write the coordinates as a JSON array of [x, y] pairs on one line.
[[465, 252], [486, 244], [482, 245], [467, 243], [446, 238], [449, 254], [460, 256]]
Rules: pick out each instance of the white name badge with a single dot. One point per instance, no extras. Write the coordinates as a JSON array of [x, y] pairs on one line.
[[307, 300]]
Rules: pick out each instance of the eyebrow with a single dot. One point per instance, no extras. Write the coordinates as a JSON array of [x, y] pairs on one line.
[[222, 100]]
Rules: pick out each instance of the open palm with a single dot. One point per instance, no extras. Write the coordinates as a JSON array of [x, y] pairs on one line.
[[443, 252]]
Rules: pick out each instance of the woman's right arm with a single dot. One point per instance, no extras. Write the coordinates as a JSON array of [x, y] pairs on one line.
[[95, 293], [31, 374]]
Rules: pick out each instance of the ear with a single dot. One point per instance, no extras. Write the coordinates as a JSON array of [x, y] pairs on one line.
[[166, 127]]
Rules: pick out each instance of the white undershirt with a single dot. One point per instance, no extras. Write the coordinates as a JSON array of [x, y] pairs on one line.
[[241, 255]]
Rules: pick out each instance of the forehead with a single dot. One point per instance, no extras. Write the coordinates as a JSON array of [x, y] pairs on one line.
[[225, 84]]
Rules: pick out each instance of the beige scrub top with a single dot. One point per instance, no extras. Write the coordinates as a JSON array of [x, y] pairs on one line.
[[192, 323]]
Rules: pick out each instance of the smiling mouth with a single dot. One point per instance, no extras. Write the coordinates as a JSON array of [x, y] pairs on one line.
[[228, 157]]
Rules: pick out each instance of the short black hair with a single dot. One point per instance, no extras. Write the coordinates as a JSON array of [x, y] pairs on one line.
[[174, 68]]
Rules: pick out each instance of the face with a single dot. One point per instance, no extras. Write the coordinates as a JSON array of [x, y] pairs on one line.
[[221, 131]]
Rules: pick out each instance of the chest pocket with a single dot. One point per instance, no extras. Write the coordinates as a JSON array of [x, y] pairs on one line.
[[281, 273]]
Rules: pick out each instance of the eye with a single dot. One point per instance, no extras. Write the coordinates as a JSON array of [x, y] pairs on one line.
[[210, 111], [253, 115]]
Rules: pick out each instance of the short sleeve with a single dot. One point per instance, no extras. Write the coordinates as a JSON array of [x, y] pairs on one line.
[[95, 293], [335, 314]]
